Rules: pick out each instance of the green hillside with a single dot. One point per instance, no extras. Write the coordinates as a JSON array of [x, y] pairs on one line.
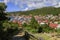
[[42, 11]]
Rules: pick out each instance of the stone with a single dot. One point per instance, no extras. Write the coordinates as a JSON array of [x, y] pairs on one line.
[[40, 38]]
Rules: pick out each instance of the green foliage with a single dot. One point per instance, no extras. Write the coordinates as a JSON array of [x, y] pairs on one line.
[[58, 22], [32, 26], [41, 11], [45, 28], [24, 25], [7, 30], [7, 25], [2, 6], [34, 23], [2, 13], [58, 30]]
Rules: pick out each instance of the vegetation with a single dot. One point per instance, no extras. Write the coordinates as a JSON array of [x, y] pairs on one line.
[[7, 30], [34, 27], [34, 23], [46, 28], [58, 30], [41, 11], [2, 9]]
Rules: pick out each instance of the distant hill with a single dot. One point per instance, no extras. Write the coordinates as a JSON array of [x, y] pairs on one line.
[[41, 11]]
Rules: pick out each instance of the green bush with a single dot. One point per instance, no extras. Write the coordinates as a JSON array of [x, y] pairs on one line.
[[32, 26], [58, 30], [45, 28], [29, 29], [9, 29], [58, 22]]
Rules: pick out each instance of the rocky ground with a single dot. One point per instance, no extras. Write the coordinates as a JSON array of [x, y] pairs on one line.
[[38, 36]]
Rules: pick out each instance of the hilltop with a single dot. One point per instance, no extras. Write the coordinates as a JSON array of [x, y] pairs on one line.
[[42, 11]]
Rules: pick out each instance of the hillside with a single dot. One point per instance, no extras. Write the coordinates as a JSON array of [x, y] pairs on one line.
[[42, 11]]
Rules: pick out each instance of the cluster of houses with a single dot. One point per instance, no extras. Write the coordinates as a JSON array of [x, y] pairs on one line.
[[52, 20], [20, 19]]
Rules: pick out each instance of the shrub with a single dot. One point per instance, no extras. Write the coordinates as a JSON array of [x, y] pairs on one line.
[[9, 29], [29, 28], [45, 28], [58, 30]]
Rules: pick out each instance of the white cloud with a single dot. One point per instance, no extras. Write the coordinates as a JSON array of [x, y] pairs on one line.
[[6, 1], [58, 5], [33, 3], [40, 3], [25, 9]]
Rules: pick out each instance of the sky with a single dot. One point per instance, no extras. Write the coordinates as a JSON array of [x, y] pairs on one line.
[[24, 5]]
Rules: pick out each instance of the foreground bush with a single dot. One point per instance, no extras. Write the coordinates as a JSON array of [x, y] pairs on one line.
[[45, 28], [58, 30], [7, 30]]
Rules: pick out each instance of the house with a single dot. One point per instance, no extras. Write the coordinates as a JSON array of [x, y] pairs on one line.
[[42, 23], [19, 23], [52, 25], [14, 21], [58, 26]]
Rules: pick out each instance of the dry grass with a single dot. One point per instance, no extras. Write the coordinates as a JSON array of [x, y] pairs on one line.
[[46, 36]]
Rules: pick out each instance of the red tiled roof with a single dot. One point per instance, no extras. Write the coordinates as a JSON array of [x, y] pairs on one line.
[[46, 21], [52, 25], [14, 21]]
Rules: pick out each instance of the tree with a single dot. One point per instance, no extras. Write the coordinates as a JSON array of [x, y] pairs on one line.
[[45, 28], [2, 11], [34, 23], [7, 30]]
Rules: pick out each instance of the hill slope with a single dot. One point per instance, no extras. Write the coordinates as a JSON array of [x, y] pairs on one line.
[[42, 11]]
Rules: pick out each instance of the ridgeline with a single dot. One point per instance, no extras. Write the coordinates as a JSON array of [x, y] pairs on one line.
[[41, 11]]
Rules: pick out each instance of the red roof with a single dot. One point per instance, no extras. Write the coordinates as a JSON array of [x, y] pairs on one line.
[[52, 25], [14, 21], [19, 23], [46, 21]]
